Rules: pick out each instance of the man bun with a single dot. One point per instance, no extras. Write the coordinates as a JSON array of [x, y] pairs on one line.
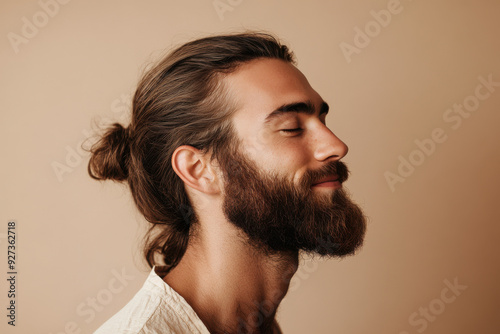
[[110, 155], [180, 100]]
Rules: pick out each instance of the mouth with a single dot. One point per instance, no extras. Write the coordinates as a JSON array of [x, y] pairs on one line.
[[331, 181]]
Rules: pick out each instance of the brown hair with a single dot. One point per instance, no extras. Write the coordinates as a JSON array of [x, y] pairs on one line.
[[179, 101]]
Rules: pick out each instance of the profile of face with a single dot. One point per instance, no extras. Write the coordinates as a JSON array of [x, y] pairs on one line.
[[283, 177]]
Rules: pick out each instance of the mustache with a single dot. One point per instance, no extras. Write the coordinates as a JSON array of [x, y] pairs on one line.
[[338, 168]]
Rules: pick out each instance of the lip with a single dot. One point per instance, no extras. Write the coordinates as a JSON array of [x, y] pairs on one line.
[[327, 180], [328, 185]]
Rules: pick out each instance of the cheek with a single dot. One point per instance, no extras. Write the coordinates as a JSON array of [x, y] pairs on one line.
[[286, 158], [254, 141], [274, 152]]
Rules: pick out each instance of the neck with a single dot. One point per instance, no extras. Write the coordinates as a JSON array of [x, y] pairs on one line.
[[232, 287]]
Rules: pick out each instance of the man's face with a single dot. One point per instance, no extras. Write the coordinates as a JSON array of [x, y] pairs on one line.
[[274, 189]]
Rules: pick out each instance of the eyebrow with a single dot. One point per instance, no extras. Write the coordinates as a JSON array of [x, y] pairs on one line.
[[301, 107]]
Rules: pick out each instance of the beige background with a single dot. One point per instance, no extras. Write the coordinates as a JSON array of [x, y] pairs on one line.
[[441, 223]]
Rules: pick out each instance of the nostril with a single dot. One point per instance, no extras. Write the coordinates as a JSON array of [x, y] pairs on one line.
[[331, 148]]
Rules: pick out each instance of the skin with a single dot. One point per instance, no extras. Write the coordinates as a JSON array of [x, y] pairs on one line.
[[222, 279]]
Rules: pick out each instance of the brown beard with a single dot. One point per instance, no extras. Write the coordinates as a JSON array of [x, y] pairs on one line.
[[278, 216]]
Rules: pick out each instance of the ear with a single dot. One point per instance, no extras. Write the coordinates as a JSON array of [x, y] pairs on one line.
[[194, 169]]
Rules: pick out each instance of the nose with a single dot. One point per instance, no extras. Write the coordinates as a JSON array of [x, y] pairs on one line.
[[328, 145]]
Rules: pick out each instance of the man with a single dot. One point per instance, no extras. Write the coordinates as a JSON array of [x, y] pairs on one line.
[[229, 158]]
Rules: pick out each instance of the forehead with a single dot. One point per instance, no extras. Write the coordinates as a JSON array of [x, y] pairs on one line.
[[262, 85]]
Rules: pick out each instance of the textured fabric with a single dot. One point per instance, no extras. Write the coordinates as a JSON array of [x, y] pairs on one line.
[[157, 309]]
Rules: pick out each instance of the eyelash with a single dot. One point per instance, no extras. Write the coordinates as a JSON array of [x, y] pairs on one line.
[[292, 130], [296, 130]]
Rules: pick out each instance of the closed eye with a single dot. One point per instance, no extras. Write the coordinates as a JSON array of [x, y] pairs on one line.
[[292, 130]]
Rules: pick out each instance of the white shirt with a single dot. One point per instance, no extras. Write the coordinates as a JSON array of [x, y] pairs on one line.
[[157, 309]]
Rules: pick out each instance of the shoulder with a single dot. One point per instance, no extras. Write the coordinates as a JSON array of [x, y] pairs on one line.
[[154, 309], [136, 314]]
